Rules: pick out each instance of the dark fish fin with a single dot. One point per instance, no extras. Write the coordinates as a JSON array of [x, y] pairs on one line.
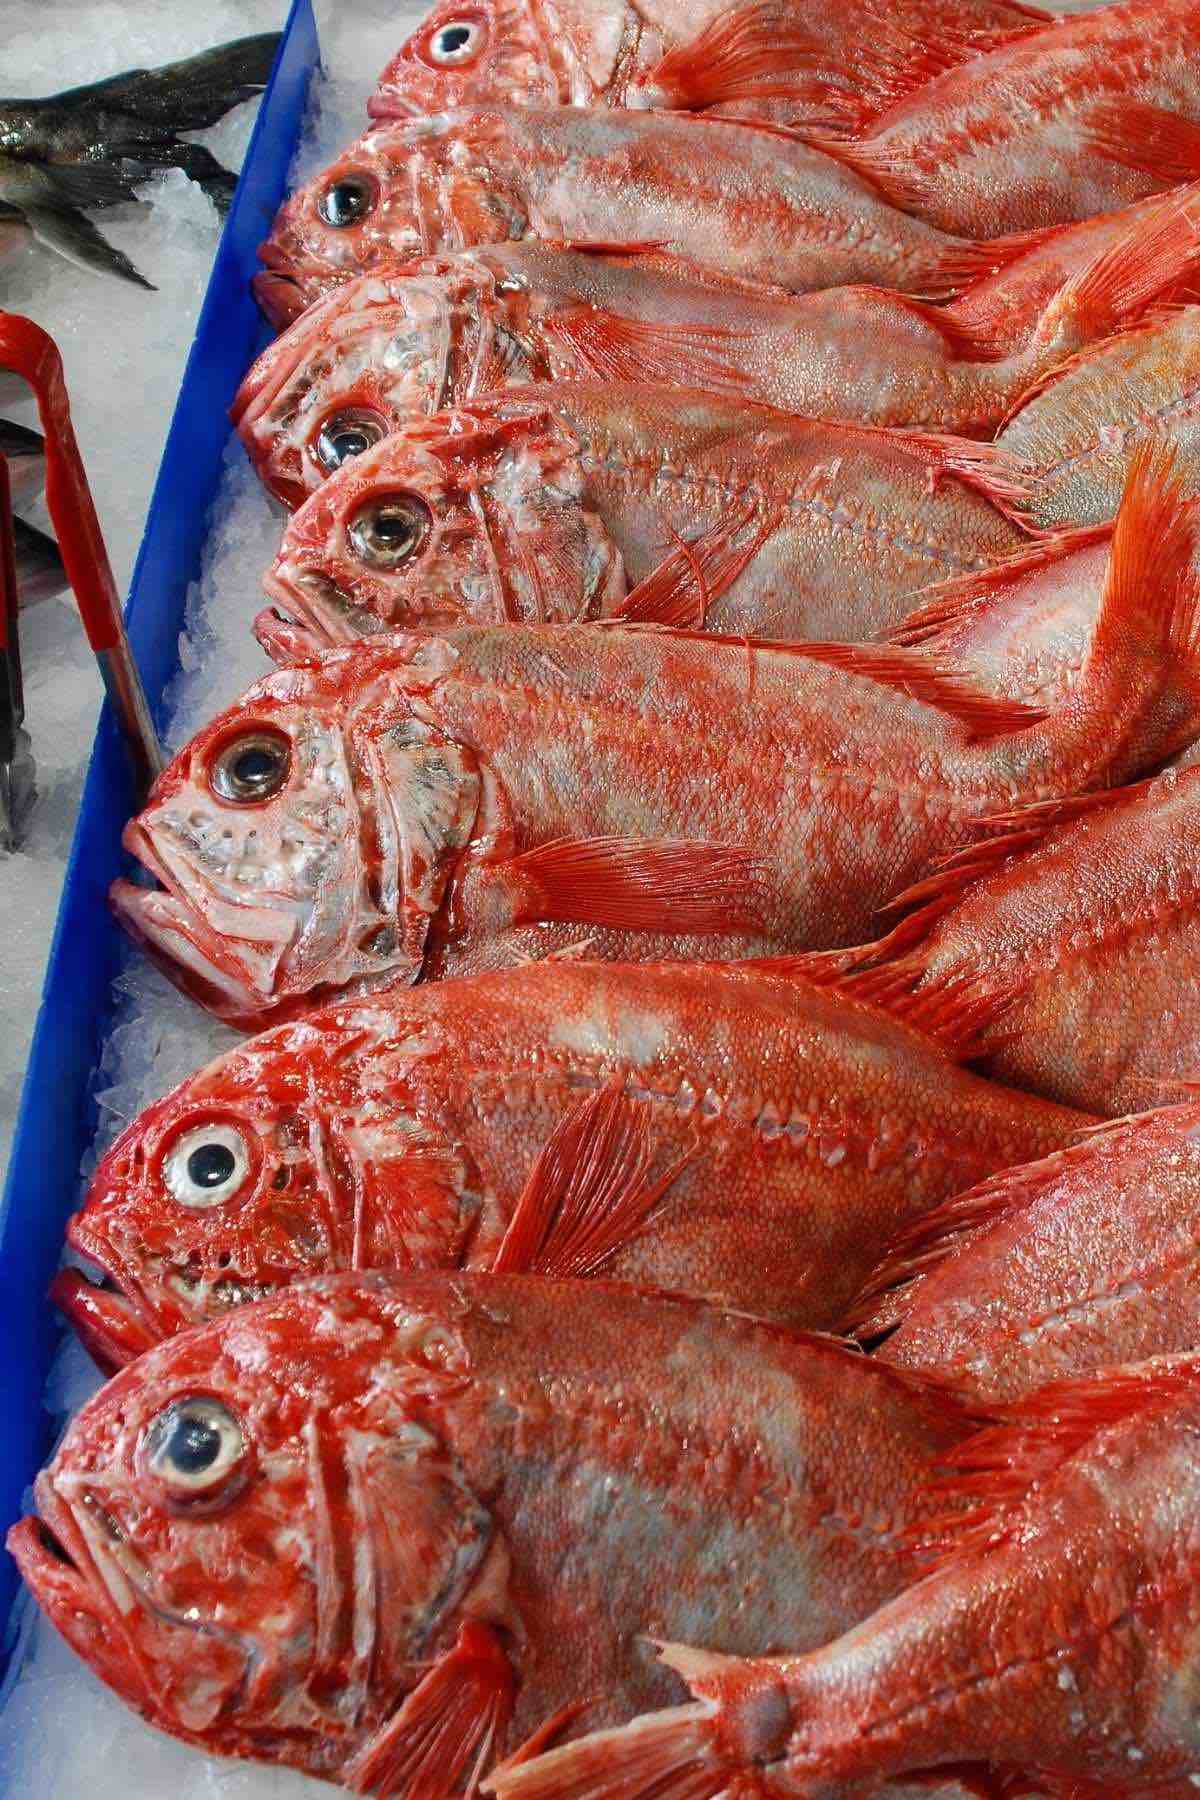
[[199, 164], [613, 348], [73, 236], [680, 590], [40, 571], [1150, 139], [673, 885], [589, 1192], [186, 95], [446, 1726], [949, 689], [953, 602], [90, 186]]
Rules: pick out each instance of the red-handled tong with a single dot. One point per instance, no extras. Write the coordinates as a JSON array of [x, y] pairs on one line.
[[29, 352]]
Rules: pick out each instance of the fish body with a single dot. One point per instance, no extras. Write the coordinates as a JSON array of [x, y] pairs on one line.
[[1055, 1640], [88, 147], [796, 1132], [311, 1531], [778, 60], [1095, 112], [1080, 953], [1054, 1271], [551, 504], [436, 805], [752, 203], [384, 348], [1075, 433]]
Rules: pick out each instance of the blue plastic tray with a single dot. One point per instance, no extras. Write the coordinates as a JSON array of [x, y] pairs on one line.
[[57, 1119]]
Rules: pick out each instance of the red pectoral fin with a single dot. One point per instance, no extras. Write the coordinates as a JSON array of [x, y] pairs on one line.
[[694, 574], [1147, 138], [613, 348], [589, 1192], [446, 1727], [673, 885]]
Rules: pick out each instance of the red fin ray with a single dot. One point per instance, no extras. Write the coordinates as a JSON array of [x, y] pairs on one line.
[[590, 1192], [674, 885], [669, 1755], [944, 686], [1144, 268], [680, 590], [952, 603], [444, 1726], [747, 53], [985, 468], [614, 348], [1152, 320], [1151, 139]]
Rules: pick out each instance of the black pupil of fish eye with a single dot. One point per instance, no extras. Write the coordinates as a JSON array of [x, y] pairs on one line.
[[194, 1445], [352, 440], [344, 202], [393, 528], [453, 38], [210, 1165], [254, 766]]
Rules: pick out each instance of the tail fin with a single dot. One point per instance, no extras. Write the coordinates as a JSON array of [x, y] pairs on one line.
[[1144, 645], [741, 1717], [183, 96]]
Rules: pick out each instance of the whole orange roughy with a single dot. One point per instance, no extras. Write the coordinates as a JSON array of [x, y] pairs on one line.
[[1056, 1640], [1075, 433], [1059, 1269], [1099, 110], [548, 504], [384, 1528], [726, 1131], [387, 347], [1073, 940], [755, 203], [801, 62], [435, 805]]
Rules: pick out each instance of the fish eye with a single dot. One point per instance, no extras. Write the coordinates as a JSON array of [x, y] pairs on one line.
[[456, 43], [387, 531], [252, 767], [346, 434], [207, 1166], [194, 1446], [347, 200]]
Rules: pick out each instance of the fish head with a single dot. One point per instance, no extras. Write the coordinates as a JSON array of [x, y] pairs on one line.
[[363, 362], [427, 187], [464, 55], [475, 516], [311, 1149], [256, 1534], [304, 840]]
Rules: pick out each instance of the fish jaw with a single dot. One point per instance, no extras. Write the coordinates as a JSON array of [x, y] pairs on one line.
[[102, 1319], [200, 963], [309, 614], [280, 298]]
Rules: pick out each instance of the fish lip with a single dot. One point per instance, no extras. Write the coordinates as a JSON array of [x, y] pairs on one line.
[[383, 106], [103, 1319], [286, 640], [279, 298]]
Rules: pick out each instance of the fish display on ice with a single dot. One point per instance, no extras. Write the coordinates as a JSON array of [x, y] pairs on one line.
[[437, 805], [1052, 1271], [752, 202], [731, 1132], [386, 1528], [1054, 1640], [809, 64], [385, 348], [68, 154], [552, 504]]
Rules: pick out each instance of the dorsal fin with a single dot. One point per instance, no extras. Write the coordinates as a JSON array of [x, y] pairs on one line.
[[945, 686], [951, 603]]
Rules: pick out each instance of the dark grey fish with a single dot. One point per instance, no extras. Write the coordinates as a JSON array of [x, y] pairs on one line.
[[89, 147], [25, 452], [40, 572]]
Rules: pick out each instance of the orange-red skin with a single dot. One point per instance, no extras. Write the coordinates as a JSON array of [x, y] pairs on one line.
[[815, 1126], [1062, 1268], [614, 1467], [1008, 141]]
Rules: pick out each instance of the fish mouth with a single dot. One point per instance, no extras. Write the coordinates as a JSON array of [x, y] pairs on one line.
[[109, 1317], [310, 614], [173, 931], [280, 298]]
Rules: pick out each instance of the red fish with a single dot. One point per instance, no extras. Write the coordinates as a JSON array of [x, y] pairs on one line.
[[809, 63], [548, 505], [383, 348], [1098, 110], [1071, 939], [727, 1131], [735, 200], [1056, 1639], [385, 1528], [1076, 432], [1056, 1270], [439, 805]]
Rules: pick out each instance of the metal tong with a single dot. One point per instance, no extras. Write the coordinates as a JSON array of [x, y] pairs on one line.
[[30, 353]]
